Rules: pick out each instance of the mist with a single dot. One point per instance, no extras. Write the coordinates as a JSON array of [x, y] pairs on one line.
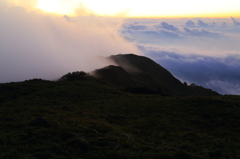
[[36, 45]]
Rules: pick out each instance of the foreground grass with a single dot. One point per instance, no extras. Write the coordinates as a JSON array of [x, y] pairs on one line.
[[89, 119]]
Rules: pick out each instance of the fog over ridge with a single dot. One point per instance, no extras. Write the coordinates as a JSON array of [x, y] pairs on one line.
[[35, 45]]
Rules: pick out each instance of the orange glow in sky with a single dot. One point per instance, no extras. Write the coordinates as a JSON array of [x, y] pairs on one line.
[[145, 8]]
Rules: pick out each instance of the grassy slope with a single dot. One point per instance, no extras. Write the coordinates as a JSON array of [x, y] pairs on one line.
[[89, 119]]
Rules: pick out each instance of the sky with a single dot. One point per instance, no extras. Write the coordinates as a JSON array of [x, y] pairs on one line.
[[150, 8], [197, 41]]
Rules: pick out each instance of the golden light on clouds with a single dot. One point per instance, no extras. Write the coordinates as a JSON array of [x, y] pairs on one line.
[[149, 8], [56, 6]]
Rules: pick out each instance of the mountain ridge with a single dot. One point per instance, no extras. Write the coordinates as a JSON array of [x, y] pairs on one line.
[[144, 72]]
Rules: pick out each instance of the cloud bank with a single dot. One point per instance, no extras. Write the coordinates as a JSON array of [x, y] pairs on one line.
[[220, 74], [34, 45], [198, 51], [164, 25]]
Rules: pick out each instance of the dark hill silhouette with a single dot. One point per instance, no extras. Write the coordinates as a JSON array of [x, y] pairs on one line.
[[80, 116], [140, 71], [114, 75]]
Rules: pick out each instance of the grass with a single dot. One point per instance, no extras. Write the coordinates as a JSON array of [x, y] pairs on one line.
[[90, 119]]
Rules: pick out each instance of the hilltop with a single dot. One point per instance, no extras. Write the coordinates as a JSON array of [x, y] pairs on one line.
[[135, 71]]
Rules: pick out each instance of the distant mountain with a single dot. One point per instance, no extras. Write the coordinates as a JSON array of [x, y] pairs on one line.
[[141, 72]]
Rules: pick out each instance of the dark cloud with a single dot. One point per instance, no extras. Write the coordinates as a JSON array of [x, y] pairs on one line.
[[219, 74], [235, 22], [190, 23], [164, 25]]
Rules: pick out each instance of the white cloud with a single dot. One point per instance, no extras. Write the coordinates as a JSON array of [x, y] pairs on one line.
[[42, 46]]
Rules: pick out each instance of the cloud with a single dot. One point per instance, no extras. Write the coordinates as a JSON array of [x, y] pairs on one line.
[[218, 73], [224, 25], [224, 87], [147, 32], [134, 26], [3, 5], [217, 39], [34, 45], [162, 34], [201, 33], [82, 10], [149, 35], [164, 25], [202, 24], [67, 18], [235, 22], [164, 30], [27, 4], [190, 23]]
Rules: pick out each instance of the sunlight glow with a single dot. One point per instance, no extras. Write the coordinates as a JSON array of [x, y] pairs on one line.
[[150, 8], [56, 6]]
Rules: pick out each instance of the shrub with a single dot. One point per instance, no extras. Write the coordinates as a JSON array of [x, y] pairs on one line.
[[74, 76]]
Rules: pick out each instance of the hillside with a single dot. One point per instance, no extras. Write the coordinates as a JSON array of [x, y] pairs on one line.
[[114, 75], [116, 115], [139, 71], [88, 118]]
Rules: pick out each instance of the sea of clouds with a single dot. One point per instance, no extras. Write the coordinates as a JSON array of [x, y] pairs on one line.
[[201, 51]]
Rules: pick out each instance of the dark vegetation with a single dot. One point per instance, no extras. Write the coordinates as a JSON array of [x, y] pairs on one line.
[[80, 116], [114, 75], [74, 76]]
